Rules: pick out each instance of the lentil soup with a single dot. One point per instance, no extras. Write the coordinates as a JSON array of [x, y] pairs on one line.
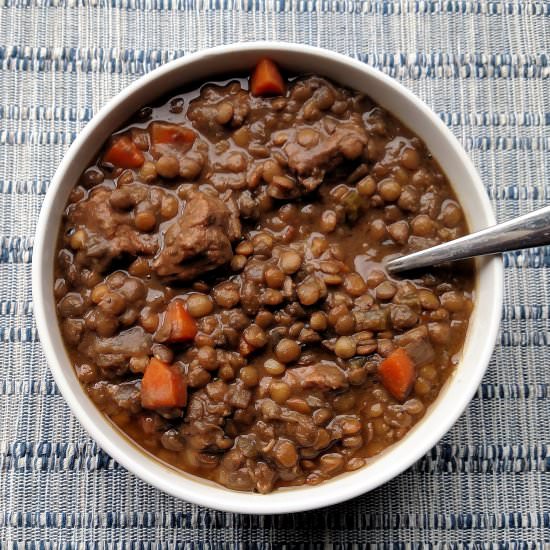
[[220, 283]]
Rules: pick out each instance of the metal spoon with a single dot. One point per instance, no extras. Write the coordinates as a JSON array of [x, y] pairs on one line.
[[530, 230]]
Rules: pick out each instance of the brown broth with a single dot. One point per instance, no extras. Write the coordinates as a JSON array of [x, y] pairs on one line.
[[322, 172]]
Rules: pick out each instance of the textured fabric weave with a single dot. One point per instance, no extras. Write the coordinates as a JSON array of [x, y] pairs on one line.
[[484, 67]]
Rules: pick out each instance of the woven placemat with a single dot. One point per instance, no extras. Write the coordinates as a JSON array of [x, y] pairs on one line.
[[484, 67]]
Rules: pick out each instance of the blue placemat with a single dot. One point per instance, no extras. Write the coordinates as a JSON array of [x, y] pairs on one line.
[[483, 66]]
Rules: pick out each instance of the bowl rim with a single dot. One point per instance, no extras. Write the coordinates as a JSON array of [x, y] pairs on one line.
[[179, 484]]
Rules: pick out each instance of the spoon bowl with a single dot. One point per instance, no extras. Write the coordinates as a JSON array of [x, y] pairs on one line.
[[526, 231]]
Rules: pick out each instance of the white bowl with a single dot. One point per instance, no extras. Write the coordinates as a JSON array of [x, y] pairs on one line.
[[484, 321]]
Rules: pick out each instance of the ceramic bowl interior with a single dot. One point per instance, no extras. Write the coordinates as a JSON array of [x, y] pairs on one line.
[[400, 102]]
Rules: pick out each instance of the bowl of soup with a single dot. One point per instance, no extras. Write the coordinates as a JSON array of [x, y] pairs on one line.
[[210, 286]]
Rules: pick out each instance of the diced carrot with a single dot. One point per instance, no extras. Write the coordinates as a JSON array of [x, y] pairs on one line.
[[163, 132], [162, 386], [397, 374], [124, 153], [182, 326], [266, 79]]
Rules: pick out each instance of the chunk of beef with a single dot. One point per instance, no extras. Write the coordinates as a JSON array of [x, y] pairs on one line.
[[117, 350], [204, 420], [417, 343], [294, 426], [110, 232], [347, 141], [115, 398], [239, 397], [199, 240], [322, 376], [264, 478], [219, 107], [402, 316], [234, 472], [127, 395]]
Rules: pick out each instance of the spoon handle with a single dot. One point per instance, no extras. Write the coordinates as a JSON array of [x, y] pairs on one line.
[[532, 229]]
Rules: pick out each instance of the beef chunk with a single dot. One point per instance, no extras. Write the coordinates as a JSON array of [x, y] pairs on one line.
[[402, 317], [110, 232], [294, 426], [199, 240], [239, 397], [115, 398], [310, 164], [116, 351], [219, 107], [204, 420], [322, 376], [235, 473], [127, 395], [418, 346]]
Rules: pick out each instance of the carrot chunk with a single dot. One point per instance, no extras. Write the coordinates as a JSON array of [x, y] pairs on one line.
[[162, 386], [397, 374], [266, 79], [181, 325], [174, 134], [124, 153]]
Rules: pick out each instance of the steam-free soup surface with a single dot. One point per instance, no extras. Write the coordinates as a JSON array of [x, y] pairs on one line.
[[220, 283]]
